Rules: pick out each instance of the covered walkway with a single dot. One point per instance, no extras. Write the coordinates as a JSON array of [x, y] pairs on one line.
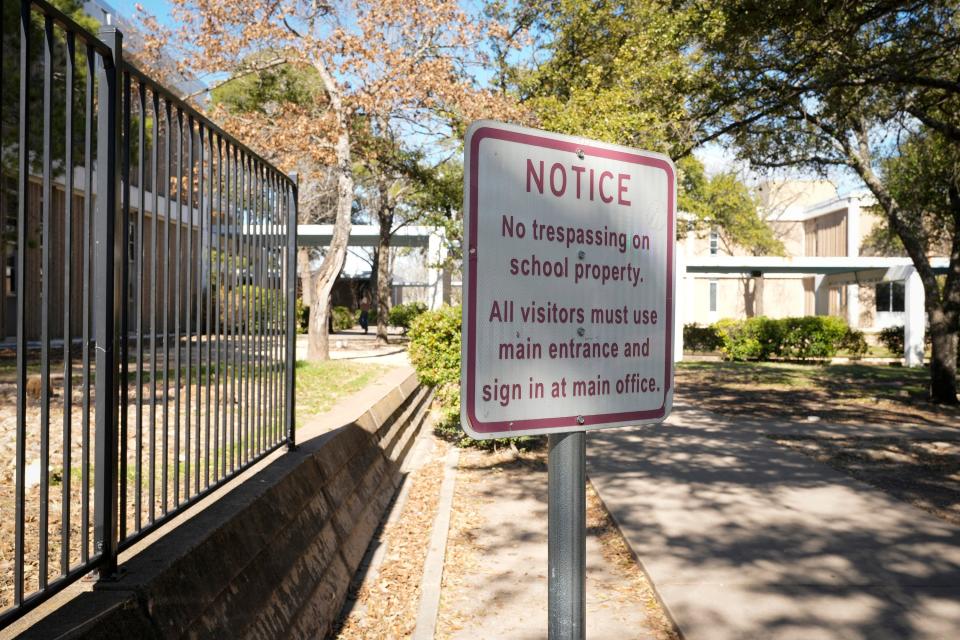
[[430, 238], [828, 272]]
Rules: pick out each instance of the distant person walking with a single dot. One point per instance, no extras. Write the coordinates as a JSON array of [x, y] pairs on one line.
[[364, 313]]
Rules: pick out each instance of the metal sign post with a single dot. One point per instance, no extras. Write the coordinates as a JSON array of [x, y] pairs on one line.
[[567, 536], [568, 311]]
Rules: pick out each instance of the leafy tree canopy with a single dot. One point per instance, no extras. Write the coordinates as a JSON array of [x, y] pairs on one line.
[[799, 83]]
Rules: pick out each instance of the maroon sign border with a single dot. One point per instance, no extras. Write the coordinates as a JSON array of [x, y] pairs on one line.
[[573, 421]]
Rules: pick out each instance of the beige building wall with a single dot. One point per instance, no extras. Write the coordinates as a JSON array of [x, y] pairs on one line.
[[736, 297], [810, 220]]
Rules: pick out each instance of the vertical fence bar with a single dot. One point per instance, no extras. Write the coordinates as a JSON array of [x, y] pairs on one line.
[[239, 328], [203, 337], [46, 284], [176, 313], [168, 180], [220, 434], [124, 292], [154, 310], [106, 307], [231, 306], [188, 312], [87, 305], [141, 219], [279, 251], [291, 290], [23, 188], [209, 309], [67, 305]]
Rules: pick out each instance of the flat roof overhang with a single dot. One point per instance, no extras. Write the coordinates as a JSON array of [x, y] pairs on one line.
[[363, 235], [842, 270]]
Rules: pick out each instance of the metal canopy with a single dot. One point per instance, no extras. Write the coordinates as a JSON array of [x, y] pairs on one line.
[[363, 235], [807, 265]]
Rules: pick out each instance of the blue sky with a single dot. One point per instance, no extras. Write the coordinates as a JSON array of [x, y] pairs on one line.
[[159, 8]]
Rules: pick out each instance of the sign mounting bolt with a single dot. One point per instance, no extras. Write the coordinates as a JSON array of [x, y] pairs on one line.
[[581, 254], [580, 420], [581, 331], [580, 153]]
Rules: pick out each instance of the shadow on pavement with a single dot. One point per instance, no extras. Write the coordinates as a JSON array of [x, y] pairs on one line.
[[747, 539]]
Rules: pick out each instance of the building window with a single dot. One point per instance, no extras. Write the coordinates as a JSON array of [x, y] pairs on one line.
[[890, 296], [713, 296], [714, 242]]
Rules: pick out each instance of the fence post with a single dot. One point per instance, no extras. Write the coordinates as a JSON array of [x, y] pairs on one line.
[[106, 305], [291, 291]]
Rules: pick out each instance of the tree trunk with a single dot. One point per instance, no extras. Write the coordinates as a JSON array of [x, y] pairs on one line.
[[303, 267], [940, 307], [385, 218], [318, 344], [943, 361]]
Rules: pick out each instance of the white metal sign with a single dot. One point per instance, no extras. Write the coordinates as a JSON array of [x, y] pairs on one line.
[[569, 283]]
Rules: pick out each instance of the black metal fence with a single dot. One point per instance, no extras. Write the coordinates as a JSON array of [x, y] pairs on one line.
[[147, 321]]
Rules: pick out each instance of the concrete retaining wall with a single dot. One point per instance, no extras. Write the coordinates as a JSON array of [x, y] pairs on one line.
[[272, 558]]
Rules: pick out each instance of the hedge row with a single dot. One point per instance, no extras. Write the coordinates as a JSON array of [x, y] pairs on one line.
[[762, 338]]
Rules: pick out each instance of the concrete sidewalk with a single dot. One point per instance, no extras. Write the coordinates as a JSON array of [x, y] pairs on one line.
[[746, 539]]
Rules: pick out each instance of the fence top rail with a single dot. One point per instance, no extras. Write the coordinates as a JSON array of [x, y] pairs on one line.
[[204, 121], [71, 26]]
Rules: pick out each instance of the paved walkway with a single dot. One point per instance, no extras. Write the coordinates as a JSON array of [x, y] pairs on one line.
[[745, 539], [362, 347], [495, 578]]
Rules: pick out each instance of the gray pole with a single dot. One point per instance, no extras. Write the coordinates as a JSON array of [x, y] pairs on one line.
[[567, 534]]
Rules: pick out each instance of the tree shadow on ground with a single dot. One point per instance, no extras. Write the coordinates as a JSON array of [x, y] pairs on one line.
[[745, 538]]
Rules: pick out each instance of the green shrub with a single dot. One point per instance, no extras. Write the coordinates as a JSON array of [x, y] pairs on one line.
[[697, 338], [303, 317], [804, 338], [854, 343], [435, 354], [343, 319], [892, 338], [741, 339], [435, 346], [403, 315], [811, 337]]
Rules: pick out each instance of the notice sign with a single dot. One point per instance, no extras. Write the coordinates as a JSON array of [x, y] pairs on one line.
[[569, 282]]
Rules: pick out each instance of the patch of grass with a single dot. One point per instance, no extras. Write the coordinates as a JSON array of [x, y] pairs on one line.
[[321, 384], [753, 373], [850, 380]]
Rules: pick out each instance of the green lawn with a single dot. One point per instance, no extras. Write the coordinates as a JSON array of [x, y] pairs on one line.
[[321, 384], [845, 379]]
